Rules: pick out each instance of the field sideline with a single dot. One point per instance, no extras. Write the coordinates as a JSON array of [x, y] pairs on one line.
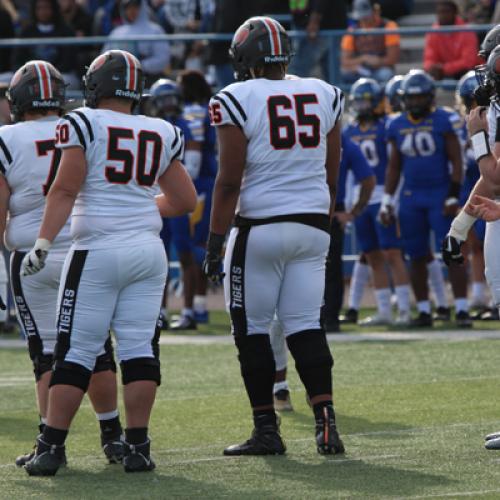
[[412, 414]]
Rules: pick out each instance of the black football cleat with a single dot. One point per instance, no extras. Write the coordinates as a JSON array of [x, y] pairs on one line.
[[463, 320], [350, 317], [493, 443], [47, 460], [137, 457], [423, 320], [328, 441], [442, 314], [490, 315], [113, 449], [493, 435], [265, 440]]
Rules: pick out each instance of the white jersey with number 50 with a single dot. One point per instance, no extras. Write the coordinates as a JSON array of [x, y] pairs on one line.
[[286, 123], [29, 161], [125, 156]]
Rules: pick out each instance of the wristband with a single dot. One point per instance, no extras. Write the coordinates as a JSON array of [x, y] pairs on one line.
[[461, 225], [215, 243], [480, 145], [42, 244], [387, 200], [451, 200]]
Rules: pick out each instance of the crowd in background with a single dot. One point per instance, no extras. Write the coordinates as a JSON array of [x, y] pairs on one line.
[[374, 56]]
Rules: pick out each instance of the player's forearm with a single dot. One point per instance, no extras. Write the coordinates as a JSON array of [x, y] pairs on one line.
[[57, 210], [173, 208], [391, 180], [365, 194], [225, 199]]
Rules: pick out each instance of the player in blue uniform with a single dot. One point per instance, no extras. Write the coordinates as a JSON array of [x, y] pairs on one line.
[[424, 144], [166, 102], [394, 105], [352, 160], [474, 244], [196, 93], [380, 244]]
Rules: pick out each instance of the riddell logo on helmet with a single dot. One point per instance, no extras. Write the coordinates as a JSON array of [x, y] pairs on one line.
[[275, 59], [127, 93], [45, 104]]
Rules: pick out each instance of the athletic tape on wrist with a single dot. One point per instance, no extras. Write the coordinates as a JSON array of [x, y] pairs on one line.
[[480, 145], [461, 225]]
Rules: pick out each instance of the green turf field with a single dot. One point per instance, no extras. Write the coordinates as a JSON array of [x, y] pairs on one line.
[[412, 414]]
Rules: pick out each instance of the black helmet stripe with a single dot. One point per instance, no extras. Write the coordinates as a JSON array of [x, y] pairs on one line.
[[274, 36], [44, 79]]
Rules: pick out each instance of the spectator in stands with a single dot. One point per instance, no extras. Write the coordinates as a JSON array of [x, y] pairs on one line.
[[47, 22], [477, 11], [313, 16], [187, 16], [449, 55], [372, 56], [394, 9], [106, 16], [154, 56], [77, 18], [229, 15], [7, 13]]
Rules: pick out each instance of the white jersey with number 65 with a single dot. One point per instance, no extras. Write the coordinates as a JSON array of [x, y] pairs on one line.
[[286, 123]]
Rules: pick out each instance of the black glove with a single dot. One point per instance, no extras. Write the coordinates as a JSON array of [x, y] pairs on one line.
[[482, 94], [212, 265], [3, 307], [450, 250]]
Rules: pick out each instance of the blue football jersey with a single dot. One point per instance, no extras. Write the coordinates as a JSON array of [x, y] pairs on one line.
[[202, 131], [425, 163], [373, 144], [353, 160]]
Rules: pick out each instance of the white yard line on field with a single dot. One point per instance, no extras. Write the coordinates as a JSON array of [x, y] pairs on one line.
[[394, 336], [455, 494]]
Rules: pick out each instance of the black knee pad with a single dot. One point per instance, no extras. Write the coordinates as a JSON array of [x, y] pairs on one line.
[[137, 369], [106, 361], [42, 364], [313, 360], [68, 373], [258, 367]]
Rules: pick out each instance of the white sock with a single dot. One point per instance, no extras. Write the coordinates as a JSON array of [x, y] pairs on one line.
[[438, 285], [187, 312], [424, 306], [403, 297], [359, 280], [43, 420], [383, 298], [478, 293], [461, 305], [279, 386], [108, 415], [200, 303]]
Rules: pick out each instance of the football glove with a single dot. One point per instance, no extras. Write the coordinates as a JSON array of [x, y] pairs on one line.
[[34, 260], [386, 214], [450, 250], [212, 265]]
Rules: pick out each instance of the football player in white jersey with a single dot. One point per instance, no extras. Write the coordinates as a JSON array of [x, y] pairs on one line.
[[279, 147], [28, 165], [483, 132], [114, 274]]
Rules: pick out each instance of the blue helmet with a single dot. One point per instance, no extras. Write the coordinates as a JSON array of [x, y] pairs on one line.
[[392, 95], [165, 99], [465, 92], [418, 91], [366, 98]]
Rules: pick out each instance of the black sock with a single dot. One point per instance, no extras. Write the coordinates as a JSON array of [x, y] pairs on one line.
[[264, 417], [51, 435], [318, 409], [110, 428], [136, 435], [41, 426]]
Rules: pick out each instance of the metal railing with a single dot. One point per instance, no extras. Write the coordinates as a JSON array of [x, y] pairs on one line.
[[333, 35]]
